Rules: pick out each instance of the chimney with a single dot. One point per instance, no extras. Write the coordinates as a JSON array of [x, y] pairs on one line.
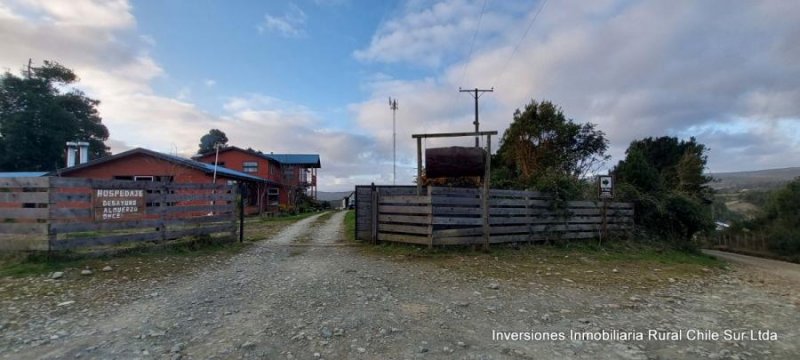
[[72, 149], [84, 151]]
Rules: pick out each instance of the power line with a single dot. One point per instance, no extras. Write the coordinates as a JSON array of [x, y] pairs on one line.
[[472, 45], [516, 48]]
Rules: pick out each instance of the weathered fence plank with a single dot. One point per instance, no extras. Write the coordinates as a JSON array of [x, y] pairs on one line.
[[23, 213], [404, 238], [404, 219], [409, 209], [25, 182], [23, 228], [412, 229], [404, 199], [23, 197]]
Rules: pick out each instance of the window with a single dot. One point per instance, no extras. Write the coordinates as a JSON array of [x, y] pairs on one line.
[[219, 163], [250, 166], [288, 174]]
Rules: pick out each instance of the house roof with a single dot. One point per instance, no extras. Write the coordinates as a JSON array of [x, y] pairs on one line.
[[232, 148], [309, 160], [22, 174], [206, 168]]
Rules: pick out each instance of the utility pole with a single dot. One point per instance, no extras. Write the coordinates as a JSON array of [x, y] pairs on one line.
[[393, 106], [476, 93]]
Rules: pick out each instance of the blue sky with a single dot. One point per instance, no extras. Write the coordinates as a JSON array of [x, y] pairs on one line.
[[314, 76], [221, 42]]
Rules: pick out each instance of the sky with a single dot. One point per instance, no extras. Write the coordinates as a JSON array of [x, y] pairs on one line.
[[315, 76]]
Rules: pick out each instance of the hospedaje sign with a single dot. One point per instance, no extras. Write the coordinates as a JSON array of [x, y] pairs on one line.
[[118, 204]]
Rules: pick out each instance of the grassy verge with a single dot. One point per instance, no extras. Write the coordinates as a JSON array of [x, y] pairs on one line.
[[350, 225], [18, 265], [179, 253], [620, 263]]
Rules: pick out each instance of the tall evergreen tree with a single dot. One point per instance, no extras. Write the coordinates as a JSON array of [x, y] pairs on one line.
[[39, 114]]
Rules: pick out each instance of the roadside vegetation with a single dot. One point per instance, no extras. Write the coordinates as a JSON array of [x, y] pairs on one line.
[[544, 150], [623, 262], [174, 256], [778, 222], [350, 225]]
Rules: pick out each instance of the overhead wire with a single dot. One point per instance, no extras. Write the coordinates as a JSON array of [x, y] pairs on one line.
[[472, 45], [521, 39]]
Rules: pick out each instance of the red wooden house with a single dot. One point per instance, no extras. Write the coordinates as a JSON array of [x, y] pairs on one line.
[[146, 165], [294, 174]]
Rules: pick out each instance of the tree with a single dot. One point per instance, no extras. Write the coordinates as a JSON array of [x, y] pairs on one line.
[[38, 115], [782, 219], [208, 141], [545, 150], [666, 163], [664, 177]]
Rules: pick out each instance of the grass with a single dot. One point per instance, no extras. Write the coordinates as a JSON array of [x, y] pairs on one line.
[[19, 265], [350, 225], [617, 263], [183, 250]]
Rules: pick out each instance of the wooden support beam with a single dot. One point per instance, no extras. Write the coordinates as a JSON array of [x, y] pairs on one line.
[[486, 181]]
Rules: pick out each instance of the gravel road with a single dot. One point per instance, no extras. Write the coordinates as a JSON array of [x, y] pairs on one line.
[[786, 270], [304, 294]]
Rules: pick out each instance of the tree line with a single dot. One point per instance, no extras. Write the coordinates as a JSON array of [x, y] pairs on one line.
[[664, 177]]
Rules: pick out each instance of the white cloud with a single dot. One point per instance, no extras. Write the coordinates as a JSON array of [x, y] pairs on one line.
[[636, 68], [291, 24], [209, 82], [429, 35], [104, 14]]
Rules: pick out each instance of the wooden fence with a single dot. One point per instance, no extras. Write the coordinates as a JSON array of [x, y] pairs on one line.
[[454, 216], [747, 243], [52, 213]]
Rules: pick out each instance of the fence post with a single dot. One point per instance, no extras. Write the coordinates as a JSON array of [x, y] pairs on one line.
[[485, 202], [52, 236], [430, 217], [164, 188], [241, 212], [419, 167], [528, 218], [374, 206]]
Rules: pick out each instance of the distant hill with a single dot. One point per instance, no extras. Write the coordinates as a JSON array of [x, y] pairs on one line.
[[754, 180], [332, 196]]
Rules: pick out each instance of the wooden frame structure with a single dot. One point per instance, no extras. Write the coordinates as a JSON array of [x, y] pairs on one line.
[[486, 176]]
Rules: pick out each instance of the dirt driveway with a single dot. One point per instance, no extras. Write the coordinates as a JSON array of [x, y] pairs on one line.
[[304, 294]]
